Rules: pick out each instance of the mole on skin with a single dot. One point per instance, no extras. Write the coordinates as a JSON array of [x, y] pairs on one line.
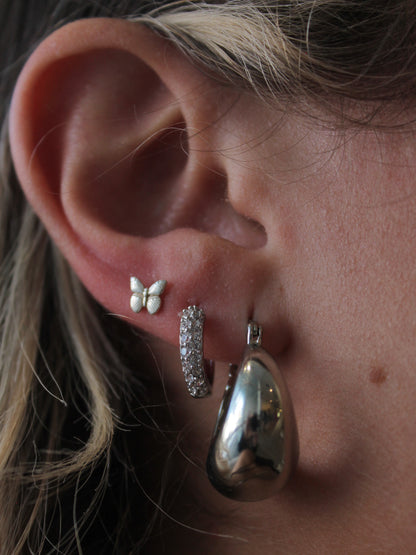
[[378, 375]]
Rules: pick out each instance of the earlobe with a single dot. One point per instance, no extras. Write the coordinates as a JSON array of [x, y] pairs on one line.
[[105, 135]]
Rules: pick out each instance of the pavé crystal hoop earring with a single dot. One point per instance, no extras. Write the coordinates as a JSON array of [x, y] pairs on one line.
[[197, 371], [255, 443]]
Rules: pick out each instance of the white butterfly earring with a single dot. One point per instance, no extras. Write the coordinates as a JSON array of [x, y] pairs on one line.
[[146, 297]]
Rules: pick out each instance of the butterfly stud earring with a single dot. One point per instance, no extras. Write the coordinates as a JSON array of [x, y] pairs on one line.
[[144, 297]]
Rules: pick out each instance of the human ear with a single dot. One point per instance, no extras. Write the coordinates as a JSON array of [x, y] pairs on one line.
[[113, 143]]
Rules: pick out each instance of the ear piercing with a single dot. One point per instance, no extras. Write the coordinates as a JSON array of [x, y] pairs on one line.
[[254, 448], [191, 344], [146, 297], [255, 443]]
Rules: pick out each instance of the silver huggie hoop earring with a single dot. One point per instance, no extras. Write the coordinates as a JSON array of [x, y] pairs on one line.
[[196, 369], [255, 443]]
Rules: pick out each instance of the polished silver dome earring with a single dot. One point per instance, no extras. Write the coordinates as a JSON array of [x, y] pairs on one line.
[[255, 443]]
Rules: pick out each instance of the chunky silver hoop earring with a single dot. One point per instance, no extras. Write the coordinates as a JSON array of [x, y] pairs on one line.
[[196, 370], [254, 448]]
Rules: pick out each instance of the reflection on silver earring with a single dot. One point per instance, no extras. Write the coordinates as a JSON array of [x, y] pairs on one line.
[[197, 371], [255, 442], [146, 297]]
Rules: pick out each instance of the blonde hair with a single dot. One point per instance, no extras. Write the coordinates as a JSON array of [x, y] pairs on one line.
[[58, 362]]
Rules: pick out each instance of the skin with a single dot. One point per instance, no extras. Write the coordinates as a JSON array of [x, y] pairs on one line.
[[339, 211], [277, 215]]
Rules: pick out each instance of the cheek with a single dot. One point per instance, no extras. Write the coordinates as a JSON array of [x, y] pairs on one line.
[[359, 252], [353, 222], [351, 296]]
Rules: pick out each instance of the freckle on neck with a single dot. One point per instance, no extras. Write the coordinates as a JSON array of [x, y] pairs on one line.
[[377, 375]]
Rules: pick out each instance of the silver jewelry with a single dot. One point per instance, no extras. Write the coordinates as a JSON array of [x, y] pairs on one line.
[[191, 346], [255, 443], [146, 297]]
